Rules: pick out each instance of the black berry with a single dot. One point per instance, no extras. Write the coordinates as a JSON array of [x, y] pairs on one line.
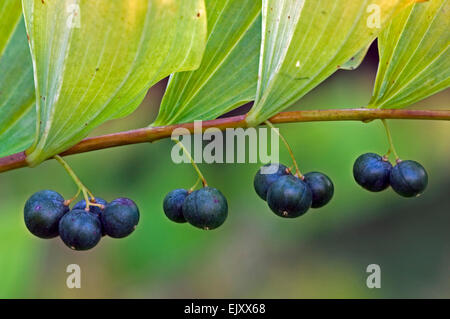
[[42, 213], [289, 197], [80, 230], [96, 210], [173, 205], [206, 208], [371, 171], [321, 187], [120, 218], [409, 178], [266, 175]]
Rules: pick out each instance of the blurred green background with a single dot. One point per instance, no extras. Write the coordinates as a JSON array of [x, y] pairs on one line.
[[323, 254]]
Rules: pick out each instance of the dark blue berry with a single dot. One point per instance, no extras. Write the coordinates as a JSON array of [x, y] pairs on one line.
[[372, 171], [80, 230], [96, 210], [206, 208], [120, 218], [173, 205], [321, 187], [409, 178], [289, 197], [42, 213], [266, 176]]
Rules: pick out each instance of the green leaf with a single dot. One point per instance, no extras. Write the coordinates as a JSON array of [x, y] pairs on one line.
[[414, 56], [95, 60], [356, 60], [228, 74], [17, 105], [10, 13], [305, 41]]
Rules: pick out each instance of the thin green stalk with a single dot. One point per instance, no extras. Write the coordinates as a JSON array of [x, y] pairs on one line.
[[195, 185], [391, 143], [80, 185], [185, 151], [297, 171], [70, 201]]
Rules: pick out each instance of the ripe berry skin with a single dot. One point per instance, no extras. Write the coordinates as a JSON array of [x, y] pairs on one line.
[[262, 182], [205, 208], [372, 172], [409, 178], [97, 211], [321, 187], [120, 218], [42, 213], [289, 197], [80, 230], [173, 205]]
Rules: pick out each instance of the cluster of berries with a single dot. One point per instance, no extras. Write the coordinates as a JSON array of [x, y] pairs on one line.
[[376, 173], [47, 215], [205, 208], [291, 196]]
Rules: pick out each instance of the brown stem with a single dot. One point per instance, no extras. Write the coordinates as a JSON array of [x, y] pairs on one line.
[[151, 134]]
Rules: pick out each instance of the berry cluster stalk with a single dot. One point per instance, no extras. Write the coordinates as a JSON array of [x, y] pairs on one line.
[[285, 142], [186, 152], [195, 185], [80, 185], [391, 143]]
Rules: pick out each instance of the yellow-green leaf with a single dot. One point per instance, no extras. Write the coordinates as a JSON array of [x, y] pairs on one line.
[[305, 41], [356, 60], [414, 56], [95, 60], [228, 74], [17, 102]]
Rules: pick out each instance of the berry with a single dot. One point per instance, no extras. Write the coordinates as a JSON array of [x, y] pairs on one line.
[[289, 197], [321, 187], [80, 230], [120, 217], [97, 211], [409, 178], [42, 213], [263, 181], [173, 205], [205, 208], [371, 171]]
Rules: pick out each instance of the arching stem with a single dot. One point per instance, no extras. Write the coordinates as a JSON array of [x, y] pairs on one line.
[[186, 152], [195, 185], [297, 171], [151, 134], [70, 201], [81, 188], [391, 143]]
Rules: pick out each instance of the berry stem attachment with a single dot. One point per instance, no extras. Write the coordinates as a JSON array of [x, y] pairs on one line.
[[391, 143], [285, 142], [70, 201], [77, 181], [186, 152]]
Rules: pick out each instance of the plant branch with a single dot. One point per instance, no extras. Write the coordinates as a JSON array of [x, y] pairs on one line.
[[151, 134]]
